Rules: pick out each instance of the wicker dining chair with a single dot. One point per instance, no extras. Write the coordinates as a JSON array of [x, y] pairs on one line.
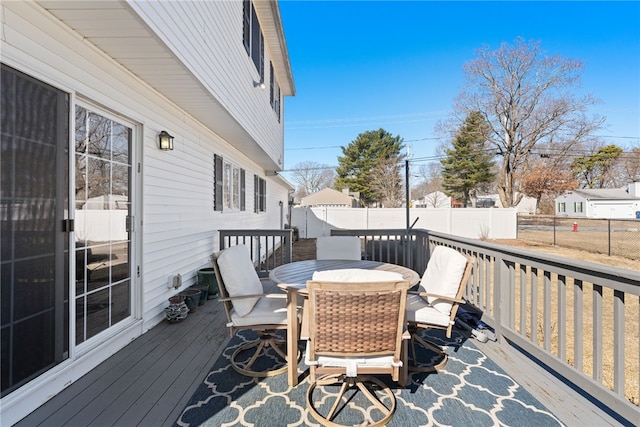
[[435, 303], [248, 307], [355, 332]]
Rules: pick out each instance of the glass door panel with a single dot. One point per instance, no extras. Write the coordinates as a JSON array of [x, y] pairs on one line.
[[103, 241]]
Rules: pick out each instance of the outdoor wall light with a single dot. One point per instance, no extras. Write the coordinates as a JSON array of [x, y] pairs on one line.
[[165, 140], [260, 84]]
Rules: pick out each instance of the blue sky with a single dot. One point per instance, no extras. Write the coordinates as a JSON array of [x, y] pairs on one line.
[[365, 65]]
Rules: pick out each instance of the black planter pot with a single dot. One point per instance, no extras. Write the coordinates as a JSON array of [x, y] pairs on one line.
[[192, 298], [204, 292], [206, 276]]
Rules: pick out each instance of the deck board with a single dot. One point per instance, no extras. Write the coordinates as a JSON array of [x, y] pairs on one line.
[[561, 399], [145, 384]]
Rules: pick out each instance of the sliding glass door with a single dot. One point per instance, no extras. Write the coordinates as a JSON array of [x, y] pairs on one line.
[[46, 231], [34, 207]]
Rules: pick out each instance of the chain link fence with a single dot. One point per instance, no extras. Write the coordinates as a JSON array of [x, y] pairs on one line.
[[619, 237]]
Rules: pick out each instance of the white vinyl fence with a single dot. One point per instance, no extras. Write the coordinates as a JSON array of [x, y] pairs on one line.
[[480, 223]]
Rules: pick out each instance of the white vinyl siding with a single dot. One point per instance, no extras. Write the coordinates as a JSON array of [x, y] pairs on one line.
[[178, 227], [211, 43]]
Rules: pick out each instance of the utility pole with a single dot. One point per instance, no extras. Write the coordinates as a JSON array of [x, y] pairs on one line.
[[407, 195]]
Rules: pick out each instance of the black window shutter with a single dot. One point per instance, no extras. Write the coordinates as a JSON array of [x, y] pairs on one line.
[[246, 26], [217, 183], [242, 191], [261, 57], [271, 88], [256, 189], [263, 195]]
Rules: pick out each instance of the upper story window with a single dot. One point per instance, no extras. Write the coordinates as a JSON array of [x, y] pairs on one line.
[[274, 89], [252, 37]]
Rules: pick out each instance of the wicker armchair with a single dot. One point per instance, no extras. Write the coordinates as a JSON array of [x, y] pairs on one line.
[[435, 304], [355, 331], [247, 306]]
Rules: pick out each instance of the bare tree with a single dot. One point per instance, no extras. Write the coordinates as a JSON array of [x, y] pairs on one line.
[[385, 183], [312, 177], [630, 165], [431, 174], [526, 100], [437, 199]]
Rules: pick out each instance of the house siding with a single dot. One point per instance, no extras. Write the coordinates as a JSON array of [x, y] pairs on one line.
[[176, 224], [603, 208], [207, 37]]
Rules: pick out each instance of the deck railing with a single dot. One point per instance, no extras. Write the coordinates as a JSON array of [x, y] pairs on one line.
[[580, 319], [268, 248], [394, 246]]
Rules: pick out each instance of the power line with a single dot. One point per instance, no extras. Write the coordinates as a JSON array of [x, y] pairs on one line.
[[312, 148], [439, 138]]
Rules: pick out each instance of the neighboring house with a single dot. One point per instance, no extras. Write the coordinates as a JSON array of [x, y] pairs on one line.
[[331, 197], [612, 203], [437, 199], [87, 89]]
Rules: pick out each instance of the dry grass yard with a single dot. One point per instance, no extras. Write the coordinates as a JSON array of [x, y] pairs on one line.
[[530, 240], [631, 314], [601, 236]]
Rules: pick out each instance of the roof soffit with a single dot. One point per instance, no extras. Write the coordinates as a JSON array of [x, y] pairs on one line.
[[116, 29], [268, 13]]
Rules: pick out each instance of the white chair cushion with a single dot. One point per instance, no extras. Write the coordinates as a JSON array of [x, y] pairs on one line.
[[351, 363], [338, 247], [442, 277], [267, 311], [355, 275], [240, 277], [419, 311]]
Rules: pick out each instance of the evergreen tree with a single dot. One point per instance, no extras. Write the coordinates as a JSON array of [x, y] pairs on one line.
[[468, 165], [360, 158], [595, 169]]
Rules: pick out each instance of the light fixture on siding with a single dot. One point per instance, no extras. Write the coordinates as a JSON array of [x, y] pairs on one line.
[[260, 84], [165, 140]]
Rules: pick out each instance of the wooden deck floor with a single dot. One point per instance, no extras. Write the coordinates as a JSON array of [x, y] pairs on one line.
[[148, 383]]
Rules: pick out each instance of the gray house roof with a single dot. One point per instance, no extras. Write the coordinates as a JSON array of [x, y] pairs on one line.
[[604, 194], [331, 197]]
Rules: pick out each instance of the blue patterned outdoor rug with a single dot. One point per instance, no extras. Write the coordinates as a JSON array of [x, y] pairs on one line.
[[470, 390]]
